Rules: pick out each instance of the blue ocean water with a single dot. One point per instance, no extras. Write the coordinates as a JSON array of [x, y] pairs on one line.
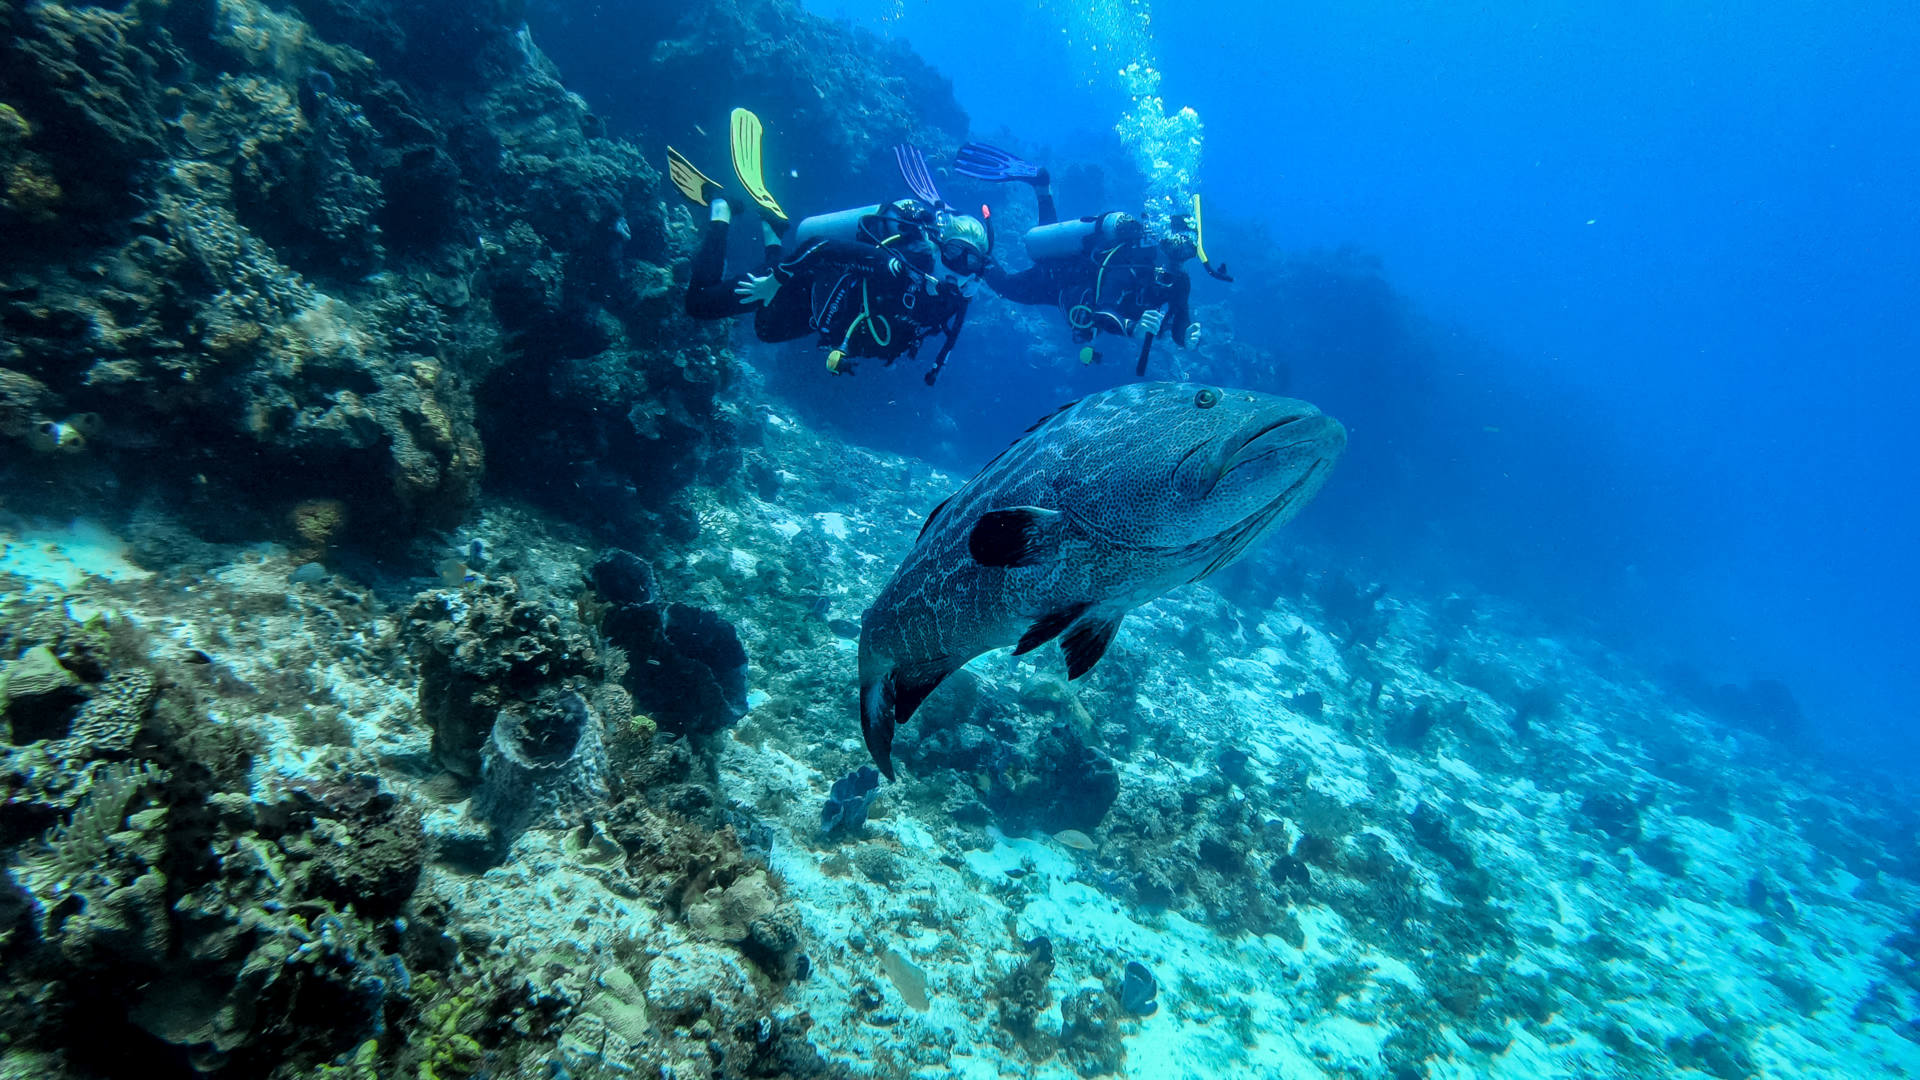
[[1667, 259]]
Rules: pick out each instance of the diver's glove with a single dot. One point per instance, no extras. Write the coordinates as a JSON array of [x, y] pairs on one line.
[[1193, 336], [757, 289], [1150, 321]]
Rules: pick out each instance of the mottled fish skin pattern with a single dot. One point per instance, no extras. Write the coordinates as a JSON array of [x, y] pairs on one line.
[[1118, 497]]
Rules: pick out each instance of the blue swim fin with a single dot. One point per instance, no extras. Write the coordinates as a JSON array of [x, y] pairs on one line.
[[983, 162], [913, 169]]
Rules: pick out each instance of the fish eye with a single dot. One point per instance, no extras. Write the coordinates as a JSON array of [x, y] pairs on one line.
[[1206, 399]]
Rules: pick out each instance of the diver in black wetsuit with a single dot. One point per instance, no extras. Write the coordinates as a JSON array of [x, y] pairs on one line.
[[874, 281], [863, 299], [1104, 273]]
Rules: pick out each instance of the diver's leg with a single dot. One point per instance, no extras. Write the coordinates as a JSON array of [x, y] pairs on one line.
[[770, 245], [710, 292]]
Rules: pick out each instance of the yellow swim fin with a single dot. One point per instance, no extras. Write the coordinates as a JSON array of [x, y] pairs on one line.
[[692, 183], [747, 164]]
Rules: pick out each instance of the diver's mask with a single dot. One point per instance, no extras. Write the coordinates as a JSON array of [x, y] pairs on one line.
[[1181, 241], [965, 248]]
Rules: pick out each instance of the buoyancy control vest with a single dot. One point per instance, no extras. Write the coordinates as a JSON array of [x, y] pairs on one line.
[[908, 230]]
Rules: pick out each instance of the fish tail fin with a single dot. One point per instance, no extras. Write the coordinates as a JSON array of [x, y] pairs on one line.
[[887, 702]]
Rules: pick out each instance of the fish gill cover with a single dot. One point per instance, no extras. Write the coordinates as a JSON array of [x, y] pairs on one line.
[[425, 651]]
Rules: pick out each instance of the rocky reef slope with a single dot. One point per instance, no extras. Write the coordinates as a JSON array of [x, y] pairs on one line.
[[258, 256], [452, 833]]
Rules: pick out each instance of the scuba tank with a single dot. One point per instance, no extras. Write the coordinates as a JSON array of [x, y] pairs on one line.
[[1082, 236], [839, 225], [875, 224]]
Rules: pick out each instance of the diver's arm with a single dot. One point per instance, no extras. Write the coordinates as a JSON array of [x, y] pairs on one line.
[[953, 327], [1029, 286], [1043, 194], [1180, 309]]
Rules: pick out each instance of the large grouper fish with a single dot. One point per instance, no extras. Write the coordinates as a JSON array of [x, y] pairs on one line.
[[1099, 508]]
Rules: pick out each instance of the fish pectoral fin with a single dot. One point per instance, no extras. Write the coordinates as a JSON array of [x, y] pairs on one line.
[[1016, 536], [1087, 642], [1047, 627]]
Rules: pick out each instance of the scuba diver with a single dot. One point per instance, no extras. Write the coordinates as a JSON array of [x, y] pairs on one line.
[[1105, 273], [872, 282]]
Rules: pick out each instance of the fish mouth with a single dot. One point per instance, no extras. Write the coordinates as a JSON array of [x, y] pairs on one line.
[[1235, 540], [1295, 430], [1282, 500]]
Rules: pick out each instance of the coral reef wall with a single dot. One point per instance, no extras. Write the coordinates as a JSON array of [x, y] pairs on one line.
[[834, 100], [331, 251]]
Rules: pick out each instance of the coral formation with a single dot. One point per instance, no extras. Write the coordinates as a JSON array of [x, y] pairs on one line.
[[328, 268], [543, 762], [488, 650], [685, 665]]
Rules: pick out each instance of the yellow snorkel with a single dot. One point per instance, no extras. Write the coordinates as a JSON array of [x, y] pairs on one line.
[[1200, 244]]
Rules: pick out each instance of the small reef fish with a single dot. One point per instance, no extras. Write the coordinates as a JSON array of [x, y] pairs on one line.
[[1099, 508], [1074, 839]]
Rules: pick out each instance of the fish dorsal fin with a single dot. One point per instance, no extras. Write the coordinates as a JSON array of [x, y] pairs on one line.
[[1037, 425], [1047, 627], [1086, 643], [934, 513], [1042, 422], [1016, 536]]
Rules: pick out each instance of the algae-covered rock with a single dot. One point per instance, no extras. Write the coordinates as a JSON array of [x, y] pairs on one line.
[[487, 650], [618, 1006], [36, 693], [689, 978], [728, 914]]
